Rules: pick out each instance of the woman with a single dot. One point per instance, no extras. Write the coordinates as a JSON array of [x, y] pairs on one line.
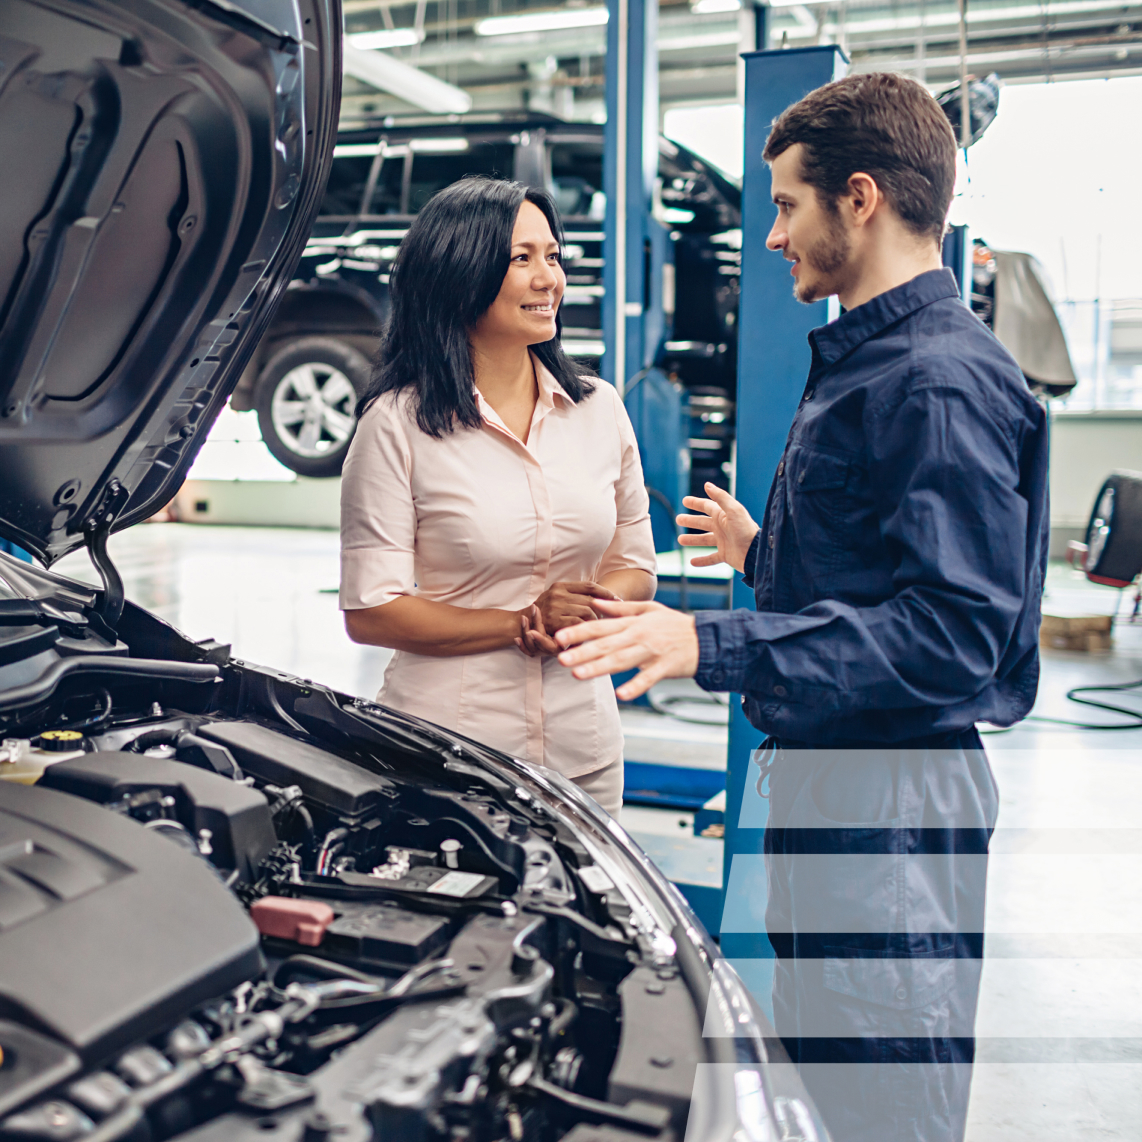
[[491, 491]]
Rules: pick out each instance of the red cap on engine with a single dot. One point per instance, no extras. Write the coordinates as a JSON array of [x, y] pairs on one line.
[[303, 921]]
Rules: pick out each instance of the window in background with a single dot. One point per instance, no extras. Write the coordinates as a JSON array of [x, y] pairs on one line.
[[714, 133], [1105, 340]]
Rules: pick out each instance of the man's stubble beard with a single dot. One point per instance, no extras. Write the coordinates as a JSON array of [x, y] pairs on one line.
[[825, 257]]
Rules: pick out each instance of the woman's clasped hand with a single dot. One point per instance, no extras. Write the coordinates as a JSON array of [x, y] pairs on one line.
[[561, 605]]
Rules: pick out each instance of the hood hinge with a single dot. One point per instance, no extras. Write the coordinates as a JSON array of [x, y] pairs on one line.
[[97, 530]]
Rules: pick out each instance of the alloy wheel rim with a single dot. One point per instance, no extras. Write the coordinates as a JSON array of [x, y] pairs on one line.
[[312, 409]]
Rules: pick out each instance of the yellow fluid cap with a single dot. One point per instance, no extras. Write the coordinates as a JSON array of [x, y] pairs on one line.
[[59, 740]]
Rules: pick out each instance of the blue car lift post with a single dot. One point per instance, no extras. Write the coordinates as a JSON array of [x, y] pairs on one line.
[[636, 247], [773, 362]]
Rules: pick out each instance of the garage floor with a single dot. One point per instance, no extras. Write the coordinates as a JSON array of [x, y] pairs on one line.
[[1060, 1030]]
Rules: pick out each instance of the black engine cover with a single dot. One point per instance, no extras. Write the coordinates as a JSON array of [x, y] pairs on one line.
[[108, 931], [238, 817]]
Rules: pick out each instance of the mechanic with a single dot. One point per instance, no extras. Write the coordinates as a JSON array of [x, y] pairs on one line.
[[898, 574], [492, 491]]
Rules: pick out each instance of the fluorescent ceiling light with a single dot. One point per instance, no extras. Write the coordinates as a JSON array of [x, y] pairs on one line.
[[706, 7], [701, 40], [541, 21], [438, 146], [584, 348], [396, 37], [355, 150]]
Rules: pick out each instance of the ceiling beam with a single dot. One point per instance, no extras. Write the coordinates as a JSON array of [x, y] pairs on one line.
[[414, 86]]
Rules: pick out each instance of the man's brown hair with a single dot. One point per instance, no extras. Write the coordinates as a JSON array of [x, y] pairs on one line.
[[885, 125]]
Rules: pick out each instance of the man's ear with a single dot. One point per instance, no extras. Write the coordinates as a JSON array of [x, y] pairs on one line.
[[864, 197]]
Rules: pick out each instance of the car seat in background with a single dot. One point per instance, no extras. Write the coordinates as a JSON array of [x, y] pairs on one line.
[[1026, 323]]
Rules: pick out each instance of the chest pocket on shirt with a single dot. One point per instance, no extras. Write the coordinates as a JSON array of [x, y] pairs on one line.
[[820, 509], [820, 472]]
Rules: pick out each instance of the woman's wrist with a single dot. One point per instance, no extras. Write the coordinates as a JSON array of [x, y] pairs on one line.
[[631, 585]]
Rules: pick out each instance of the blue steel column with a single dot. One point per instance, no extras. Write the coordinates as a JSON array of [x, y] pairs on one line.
[[630, 165], [957, 254], [773, 356]]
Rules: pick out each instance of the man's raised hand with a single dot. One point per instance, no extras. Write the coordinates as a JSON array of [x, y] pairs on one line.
[[660, 642], [727, 526]]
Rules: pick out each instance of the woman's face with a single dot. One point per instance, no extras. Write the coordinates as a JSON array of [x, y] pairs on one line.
[[524, 311]]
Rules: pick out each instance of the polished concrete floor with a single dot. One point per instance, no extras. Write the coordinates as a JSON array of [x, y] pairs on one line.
[[269, 592], [1060, 1017]]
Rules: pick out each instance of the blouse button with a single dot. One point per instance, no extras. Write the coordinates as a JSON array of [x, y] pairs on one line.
[[780, 691], [781, 468]]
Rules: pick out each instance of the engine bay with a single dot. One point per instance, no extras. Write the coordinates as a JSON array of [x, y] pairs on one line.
[[219, 927]]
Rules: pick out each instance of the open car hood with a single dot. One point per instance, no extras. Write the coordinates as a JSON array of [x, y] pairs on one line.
[[162, 164]]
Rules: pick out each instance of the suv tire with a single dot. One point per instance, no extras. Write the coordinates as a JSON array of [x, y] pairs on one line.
[[1114, 534], [305, 396]]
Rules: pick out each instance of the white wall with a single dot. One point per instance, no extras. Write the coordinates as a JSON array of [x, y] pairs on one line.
[[1085, 449], [260, 503]]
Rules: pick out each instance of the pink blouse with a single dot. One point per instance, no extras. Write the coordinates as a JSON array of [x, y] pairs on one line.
[[479, 519]]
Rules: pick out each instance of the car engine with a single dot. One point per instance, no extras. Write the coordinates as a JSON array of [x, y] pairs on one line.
[[214, 928]]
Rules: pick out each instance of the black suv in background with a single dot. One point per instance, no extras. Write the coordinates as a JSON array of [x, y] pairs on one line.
[[315, 357]]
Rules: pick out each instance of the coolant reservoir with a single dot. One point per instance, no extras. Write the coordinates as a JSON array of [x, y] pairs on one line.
[[23, 762]]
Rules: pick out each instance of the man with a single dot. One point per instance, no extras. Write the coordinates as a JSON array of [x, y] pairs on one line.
[[898, 573]]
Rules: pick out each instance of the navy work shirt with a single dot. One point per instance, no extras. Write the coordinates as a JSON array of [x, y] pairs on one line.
[[899, 568]]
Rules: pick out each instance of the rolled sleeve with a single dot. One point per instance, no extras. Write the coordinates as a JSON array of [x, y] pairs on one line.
[[715, 656], [378, 516], [632, 547]]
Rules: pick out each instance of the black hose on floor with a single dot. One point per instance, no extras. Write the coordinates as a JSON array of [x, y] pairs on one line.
[[1135, 716], [1114, 687]]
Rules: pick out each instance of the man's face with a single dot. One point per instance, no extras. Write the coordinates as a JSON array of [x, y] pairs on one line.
[[807, 233]]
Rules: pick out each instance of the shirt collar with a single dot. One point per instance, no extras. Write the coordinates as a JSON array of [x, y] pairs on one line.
[[551, 395], [550, 390], [861, 324]]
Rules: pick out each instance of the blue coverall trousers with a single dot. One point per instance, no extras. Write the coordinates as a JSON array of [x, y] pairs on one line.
[[876, 860]]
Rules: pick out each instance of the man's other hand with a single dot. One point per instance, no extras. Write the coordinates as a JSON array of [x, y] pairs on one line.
[[660, 642], [728, 527]]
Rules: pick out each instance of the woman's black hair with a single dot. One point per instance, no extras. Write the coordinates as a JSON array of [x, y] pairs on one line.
[[450, 268]]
